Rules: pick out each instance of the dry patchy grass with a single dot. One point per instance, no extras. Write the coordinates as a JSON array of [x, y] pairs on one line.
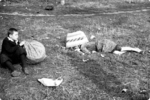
[[98, 79]]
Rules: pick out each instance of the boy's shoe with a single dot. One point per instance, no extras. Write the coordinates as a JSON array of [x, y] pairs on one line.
[[15, 73], [26, 71]]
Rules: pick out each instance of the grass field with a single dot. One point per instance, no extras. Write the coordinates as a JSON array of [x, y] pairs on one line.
[[101, 78]]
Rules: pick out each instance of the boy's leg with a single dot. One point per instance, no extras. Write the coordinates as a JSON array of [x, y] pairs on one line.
[[125, 49], [117, 50], [9, 65], [23, 63], [6, 62], [21, 54]]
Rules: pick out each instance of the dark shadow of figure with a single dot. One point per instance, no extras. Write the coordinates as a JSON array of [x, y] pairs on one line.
[[94, 71]]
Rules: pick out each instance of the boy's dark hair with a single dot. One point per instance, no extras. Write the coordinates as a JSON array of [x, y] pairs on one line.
[[11, 31]]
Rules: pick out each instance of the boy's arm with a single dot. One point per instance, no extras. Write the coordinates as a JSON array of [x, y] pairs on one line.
[[10, 47], [84, 49]]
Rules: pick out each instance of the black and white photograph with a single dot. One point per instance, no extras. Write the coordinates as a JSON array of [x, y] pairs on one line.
[[74, 49]]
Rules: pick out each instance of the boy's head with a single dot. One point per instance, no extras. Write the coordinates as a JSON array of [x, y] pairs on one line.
[[13, 33]]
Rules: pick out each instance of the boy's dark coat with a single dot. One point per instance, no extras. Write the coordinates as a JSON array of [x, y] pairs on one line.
[[11, 51]]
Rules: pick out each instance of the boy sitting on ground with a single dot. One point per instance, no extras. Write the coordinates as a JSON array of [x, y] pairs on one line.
[[13, 52]]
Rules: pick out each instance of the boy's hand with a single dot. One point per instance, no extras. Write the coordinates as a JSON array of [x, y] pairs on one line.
[[22, 43], [16, 41]]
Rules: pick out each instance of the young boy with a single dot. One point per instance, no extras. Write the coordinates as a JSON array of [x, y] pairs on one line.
[[106, 45], [12, 52]]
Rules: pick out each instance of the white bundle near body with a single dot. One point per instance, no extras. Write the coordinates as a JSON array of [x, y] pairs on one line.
[[35, 51]]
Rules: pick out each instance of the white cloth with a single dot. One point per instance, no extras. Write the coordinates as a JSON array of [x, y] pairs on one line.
[[50, 82]]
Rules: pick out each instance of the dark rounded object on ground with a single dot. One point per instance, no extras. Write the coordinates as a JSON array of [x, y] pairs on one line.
[[49, 7]]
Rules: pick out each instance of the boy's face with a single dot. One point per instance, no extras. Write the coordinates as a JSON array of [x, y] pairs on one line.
[[14, 36]]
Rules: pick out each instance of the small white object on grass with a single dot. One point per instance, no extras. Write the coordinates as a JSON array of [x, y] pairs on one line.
[[124, 90], [119, 52], [77, 49], [85, 60], [102, 55], [93, 51], [50, 82], [92, 37], [62, 2]]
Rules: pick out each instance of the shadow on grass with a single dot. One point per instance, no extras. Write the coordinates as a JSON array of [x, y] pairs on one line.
[[94, 71]]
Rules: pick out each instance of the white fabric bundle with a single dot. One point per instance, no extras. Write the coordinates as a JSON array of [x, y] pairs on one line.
[[35, 51], [50, 82]]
